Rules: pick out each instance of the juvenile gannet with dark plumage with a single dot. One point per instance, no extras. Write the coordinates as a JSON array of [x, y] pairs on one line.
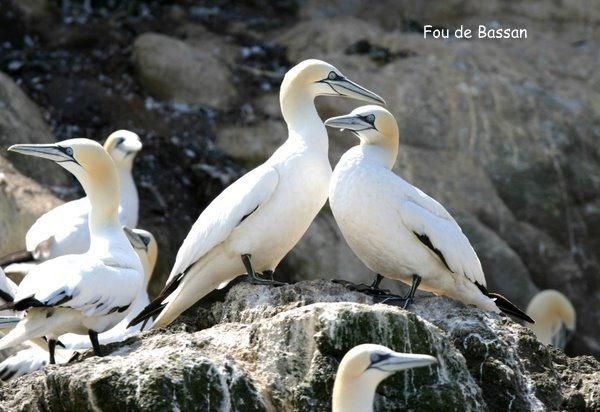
[[554, 316], [64, 229], [88, 293], [394, 228], [35, 357], [258, 219], [361, 371]]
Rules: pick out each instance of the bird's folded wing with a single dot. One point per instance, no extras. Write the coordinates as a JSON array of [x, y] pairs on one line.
[[23, 362], [224, 214], [436, 228], [58, 222], [7, 288], [82, 283]]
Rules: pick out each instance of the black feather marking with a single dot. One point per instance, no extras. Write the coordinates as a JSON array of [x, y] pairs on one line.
[[6, 374], [504, 304], [7, 297], [16, 257], [156, 306], [427, 242], [245, 216], [23, 304]]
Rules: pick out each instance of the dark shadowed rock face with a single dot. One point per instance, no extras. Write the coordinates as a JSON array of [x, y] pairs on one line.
[[279, 348]]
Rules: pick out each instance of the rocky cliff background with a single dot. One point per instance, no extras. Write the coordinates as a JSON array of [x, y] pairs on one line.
[[505, 133]]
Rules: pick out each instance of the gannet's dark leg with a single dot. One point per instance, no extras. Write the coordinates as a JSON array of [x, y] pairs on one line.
[[416, 281], [51, 349], [372, 289], [252, 277], [95, 344]]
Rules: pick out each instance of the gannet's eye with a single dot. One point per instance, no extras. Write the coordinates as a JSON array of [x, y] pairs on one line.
[[370, 118], [69, 151], [120, 140], [332, 76], [379, 357]]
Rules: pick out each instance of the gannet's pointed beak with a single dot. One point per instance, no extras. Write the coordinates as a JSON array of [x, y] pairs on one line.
[[399, 361], [52, 152], [350, 122], [347, 88], [137, 241], [130, 146]]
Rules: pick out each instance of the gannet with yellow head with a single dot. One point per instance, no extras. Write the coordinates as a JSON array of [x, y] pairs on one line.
[[363, 368], [554, 316], [87, 293], [35, 356], [394, 228], [64, 229], [258, 219]]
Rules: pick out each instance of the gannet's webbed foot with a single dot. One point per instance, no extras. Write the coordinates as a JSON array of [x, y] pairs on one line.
[[253, 278], [51, 350], [371, 290], [95, 344]]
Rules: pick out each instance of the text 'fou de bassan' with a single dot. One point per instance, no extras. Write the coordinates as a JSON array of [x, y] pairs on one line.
[[482, 32]]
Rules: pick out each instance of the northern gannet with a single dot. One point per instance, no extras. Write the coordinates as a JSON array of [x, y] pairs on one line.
[[87, 293], [35, 356], [394, 228], [554, 317], [258, 219], [363, 368], [64, 229]]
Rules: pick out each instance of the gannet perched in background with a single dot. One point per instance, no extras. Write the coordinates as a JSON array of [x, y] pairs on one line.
[[88, 293], [361, 371], [394, 228], [64, 229], [258, 219], [35, 357], [554, 317]]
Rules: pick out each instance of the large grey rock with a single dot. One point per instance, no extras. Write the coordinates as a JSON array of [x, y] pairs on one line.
[[22, 201], [279, 348], [171, 69], [496, 136], [21, 122]]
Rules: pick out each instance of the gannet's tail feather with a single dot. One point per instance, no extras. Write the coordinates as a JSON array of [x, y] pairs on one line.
[[505, 305], [157, 305], [16, 257]]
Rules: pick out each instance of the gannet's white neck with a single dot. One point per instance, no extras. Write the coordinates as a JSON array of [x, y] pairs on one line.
[[101, 186], [128, 192], [382, 154], [354, 394], [304, 124]]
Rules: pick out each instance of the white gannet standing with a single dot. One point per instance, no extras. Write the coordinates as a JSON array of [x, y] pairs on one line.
[[361, 371], [64, 229], [554, 316], [35, 357], [258, 219], [394, 228], [88, 293]]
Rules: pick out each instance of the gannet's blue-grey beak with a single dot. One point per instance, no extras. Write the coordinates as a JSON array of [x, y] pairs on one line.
[[395, 361], [137, 241], [52, 152], [350, 121], [347, 88], [129, 146]]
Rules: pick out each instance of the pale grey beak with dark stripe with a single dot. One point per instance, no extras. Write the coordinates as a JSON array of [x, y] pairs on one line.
[[348, 88], [400, 361], [350, 122], [136, 240], [52, 152]]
